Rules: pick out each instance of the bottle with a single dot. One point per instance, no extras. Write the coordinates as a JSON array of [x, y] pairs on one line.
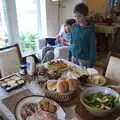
[[30, 65], [22, 69]]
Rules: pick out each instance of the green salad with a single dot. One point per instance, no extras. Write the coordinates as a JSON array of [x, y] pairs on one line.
[[101, 101]]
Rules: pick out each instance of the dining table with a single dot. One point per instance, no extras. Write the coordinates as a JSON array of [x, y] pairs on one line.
[[74, 109]]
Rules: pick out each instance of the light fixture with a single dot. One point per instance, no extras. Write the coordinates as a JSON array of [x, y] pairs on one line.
[[55, 0]]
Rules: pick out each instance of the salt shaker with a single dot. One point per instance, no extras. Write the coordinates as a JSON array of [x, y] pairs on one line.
[[30, 65]]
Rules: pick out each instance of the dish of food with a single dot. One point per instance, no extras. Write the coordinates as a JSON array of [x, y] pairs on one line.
[[100, 101], [53, 74], [96, 80], [38, 108], [93, 80], [57, 64], [11, 82], [76, 72]]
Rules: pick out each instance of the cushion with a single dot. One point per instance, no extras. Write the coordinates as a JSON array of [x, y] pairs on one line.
[[113, 69]]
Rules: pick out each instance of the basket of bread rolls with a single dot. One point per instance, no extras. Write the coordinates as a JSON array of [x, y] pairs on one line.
[[61, 90]]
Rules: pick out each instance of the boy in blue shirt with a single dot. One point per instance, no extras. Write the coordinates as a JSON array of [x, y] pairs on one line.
[[64, 37], [83, 38]]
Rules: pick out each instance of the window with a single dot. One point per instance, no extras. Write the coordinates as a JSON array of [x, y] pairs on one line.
[[26, 20], [27, 24]]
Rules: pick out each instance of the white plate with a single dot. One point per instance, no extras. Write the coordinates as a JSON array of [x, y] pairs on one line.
[[98, 80], [36, 99]]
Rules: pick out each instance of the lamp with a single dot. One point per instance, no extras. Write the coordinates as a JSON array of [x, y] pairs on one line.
[[55, 0]]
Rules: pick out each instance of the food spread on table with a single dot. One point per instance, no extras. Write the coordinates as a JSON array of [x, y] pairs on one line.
[[39, 108], [11, 82], [60, 79], [101, 101]]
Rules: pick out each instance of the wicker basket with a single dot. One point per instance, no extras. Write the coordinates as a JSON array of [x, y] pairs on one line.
[[60, 97]]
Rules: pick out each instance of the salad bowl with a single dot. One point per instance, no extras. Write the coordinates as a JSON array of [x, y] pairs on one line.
[[100, 101]]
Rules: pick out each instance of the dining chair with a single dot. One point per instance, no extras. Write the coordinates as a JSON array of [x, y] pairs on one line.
[[10, 60], [112, 69]]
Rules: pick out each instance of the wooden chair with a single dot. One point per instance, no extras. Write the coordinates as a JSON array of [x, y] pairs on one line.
[[10, 60], [112, 69]]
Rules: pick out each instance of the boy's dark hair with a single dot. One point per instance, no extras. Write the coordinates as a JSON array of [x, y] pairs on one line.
[[69, 22], [81, 8]]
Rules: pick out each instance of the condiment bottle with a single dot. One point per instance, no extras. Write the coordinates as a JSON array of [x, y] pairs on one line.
[[30, 65]]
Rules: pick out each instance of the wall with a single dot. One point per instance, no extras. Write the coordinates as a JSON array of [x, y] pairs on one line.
[[52, 17], [97, 6], [66, 8]]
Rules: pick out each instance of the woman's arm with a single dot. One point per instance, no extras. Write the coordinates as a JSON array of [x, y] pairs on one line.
[[66, 42]]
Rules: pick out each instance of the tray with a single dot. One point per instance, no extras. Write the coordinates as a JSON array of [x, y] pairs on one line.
[[11, 82]]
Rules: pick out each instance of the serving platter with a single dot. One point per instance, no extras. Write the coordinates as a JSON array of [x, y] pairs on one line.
[[35, 99]]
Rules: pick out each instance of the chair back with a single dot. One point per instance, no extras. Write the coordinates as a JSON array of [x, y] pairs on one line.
[[112, 70], [10, 60]]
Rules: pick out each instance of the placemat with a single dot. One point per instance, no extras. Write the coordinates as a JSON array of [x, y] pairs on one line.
[[3, 115], [11, 101]]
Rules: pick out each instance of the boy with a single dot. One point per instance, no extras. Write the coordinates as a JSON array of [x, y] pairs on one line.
[[64, 37], [83, 40]]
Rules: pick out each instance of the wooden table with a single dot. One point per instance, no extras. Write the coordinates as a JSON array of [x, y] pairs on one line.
[[74, 109]]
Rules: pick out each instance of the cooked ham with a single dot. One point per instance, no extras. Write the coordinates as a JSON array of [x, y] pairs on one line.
[[32, 112], [28, 110], [44, 116], [49, 116]]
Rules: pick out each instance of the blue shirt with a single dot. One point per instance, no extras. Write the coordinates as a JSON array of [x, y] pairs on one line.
[[65, 36], [83, 43]]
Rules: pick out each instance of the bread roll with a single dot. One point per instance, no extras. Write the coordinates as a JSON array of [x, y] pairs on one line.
[[62, 79], [51, 85], [62, 86], [47, 106], [73, 84], [52, 108]]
